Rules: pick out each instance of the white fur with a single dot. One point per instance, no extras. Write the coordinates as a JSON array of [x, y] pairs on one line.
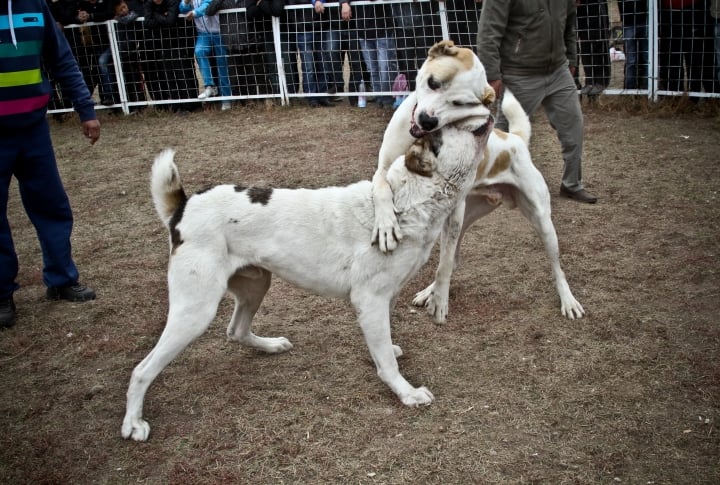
[[520, 185], [228, 241]]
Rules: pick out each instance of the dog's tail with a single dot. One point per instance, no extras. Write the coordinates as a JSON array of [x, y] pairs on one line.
[[167, 191], [518, 120]]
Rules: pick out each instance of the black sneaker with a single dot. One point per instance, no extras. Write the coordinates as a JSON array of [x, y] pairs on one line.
[[7, 313], [75, 293]]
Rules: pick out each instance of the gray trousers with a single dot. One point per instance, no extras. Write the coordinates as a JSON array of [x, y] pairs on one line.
[[557, 93]]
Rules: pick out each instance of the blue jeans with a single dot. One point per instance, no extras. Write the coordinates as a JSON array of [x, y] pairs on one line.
[[717, 47], [332, 66], [207, 45], [28, 155], [107, 80], [636, 56], [308, 44], [381, 61]]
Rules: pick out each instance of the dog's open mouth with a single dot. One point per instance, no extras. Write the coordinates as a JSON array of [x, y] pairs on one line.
[[418, 132], [415, 129], [485, 128]]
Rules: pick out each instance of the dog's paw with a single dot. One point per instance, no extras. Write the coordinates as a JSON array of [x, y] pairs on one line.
[[436, 305], [274, 345], [423, 296], [571, 308], [420, 396], [137, 429]]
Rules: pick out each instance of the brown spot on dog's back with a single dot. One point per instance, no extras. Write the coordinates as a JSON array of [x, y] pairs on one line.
[[502, 163], [500, 134], [483, 163], [260, 195]]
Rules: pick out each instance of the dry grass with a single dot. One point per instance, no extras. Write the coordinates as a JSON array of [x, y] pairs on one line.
[[631, 393]]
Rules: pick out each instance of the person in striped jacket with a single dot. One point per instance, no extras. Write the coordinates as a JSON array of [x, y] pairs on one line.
[[32, 48]]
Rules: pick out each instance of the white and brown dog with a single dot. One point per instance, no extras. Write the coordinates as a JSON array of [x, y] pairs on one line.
[[446, 89], [233, 238]]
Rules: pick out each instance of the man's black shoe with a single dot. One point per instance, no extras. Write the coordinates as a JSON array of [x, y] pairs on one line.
[[580, 195], [7, 313], [71, 293]]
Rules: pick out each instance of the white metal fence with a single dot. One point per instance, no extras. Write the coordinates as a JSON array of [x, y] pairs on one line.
[[644, 50]]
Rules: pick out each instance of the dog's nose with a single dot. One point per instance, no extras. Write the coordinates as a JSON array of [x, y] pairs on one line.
[[427, 123]]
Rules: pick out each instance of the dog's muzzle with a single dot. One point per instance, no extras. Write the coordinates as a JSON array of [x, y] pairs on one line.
[[427, 123]]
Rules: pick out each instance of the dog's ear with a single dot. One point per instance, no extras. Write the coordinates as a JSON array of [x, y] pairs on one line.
[[443, 48], [417, 158], [488, 96]]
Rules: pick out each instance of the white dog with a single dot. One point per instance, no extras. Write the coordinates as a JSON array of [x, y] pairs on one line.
[[232, 239], [445, 92]]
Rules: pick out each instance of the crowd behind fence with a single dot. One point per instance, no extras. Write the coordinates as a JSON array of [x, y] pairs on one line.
[[287, 51]]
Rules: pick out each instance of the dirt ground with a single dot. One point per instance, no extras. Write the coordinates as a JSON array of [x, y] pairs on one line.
[[628, 394]]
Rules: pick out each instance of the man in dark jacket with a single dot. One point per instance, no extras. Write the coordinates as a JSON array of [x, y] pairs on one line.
[[30, 42], [530, 46]]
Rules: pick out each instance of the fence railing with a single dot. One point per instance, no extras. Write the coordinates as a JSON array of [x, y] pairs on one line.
[[376, 53]]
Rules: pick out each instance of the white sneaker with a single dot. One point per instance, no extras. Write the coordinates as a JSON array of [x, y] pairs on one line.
[[225, 106], [209, 92]]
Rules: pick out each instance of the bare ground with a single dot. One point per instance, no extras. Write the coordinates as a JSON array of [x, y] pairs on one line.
[[629, 394]]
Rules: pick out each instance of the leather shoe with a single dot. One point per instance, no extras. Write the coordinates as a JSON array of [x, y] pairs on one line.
[[7, 313], [76, 293], [581, 195]]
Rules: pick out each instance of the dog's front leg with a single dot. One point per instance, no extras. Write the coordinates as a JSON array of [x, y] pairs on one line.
[[396, 140], [374, 317], [435, 297]]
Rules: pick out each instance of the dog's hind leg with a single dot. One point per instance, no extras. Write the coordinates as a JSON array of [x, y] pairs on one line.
[[248, 288], [374, 317], [189, 316], [534, 204]]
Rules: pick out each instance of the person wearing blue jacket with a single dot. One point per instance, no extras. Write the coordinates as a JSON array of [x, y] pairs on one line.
[[32, 48]]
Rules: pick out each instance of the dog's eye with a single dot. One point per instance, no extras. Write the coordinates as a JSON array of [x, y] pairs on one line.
[[433, 84], [463, 103]]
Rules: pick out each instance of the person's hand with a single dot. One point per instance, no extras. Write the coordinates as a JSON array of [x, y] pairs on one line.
[[346, 11], [497, 86], [190, 15], [91, 130], [573, 69], [319, 7]]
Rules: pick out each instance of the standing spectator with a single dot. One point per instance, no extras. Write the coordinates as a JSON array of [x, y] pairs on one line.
[[686, 47], [377, 44], [331, 76], [167, 55], [350, 46], [715, 14], [634, 17], [209, 43], [305, 39], [531, 49], [259, 17], [593, 29], [93, 39], [126, 12], [33, 43]]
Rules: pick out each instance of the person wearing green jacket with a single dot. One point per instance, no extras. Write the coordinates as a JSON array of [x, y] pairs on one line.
[[530, 46]]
